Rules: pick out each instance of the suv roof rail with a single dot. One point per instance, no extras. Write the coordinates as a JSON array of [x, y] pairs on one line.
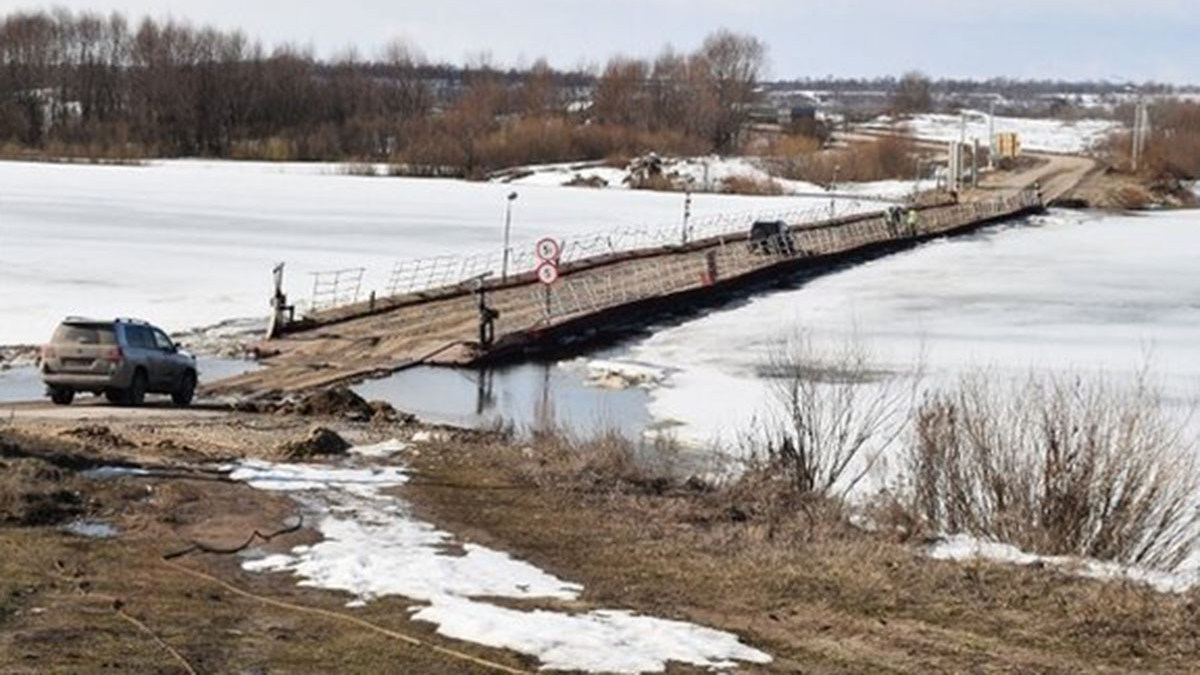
[[81, 319], [137, 322]]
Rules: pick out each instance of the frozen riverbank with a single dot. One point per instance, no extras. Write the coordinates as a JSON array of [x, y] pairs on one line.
[[192, 243]]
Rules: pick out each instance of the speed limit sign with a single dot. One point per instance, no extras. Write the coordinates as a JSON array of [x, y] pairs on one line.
[[547, 272], [547, 249]]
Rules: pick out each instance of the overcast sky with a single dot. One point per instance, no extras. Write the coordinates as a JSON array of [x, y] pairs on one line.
[[1071, 39]]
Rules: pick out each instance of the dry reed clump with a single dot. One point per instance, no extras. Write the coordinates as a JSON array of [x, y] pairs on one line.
[[887, 158], [606, 464], [34, 492], [1059, 467], [751, 185]]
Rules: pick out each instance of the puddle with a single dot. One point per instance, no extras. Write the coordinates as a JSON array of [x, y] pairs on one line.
[[526, 396], [92, 529], [25, 382]]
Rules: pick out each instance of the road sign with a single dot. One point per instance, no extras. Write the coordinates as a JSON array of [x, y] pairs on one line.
[[547, 272], [547, 250]]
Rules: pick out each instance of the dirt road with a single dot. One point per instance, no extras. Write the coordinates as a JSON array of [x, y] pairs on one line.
[[1057, 175]]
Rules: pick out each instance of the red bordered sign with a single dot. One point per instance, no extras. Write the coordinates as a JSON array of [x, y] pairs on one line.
[[548, 250], [547, 272]]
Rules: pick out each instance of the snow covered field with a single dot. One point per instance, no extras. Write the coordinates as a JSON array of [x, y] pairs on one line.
[[1048, 135], [1067, 291], [190, 243], [373, 546]]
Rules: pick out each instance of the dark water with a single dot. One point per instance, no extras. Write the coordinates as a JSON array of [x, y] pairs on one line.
[[527, 396]]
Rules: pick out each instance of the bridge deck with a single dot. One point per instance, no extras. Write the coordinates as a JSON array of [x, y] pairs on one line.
[[442, 326]]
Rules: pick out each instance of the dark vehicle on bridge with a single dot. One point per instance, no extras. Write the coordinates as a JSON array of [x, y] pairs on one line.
[[123, 359], [772, 237]]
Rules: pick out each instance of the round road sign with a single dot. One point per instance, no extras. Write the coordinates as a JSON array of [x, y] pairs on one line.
[[547, 273], [547, 249]]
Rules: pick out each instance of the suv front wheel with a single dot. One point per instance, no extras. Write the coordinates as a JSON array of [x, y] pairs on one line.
[[62, 395]]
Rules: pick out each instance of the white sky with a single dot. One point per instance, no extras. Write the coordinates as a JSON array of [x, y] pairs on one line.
[[1070, 39]]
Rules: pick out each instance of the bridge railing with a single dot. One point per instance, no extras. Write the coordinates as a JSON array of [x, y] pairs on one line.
[[334, 288], [341, 287], [580, 295], [427, 274]]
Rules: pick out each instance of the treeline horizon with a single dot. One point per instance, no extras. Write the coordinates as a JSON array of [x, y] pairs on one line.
[[92, 85], [99, 85]]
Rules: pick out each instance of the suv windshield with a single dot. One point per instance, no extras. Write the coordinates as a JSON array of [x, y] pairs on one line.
[[85, 334]]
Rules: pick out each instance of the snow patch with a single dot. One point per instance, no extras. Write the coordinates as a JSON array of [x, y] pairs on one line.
[[373, 546], [380, 450], [965, 547], [1035, 134], [623, 374], [604, 641], [92, 529], [430, 437]]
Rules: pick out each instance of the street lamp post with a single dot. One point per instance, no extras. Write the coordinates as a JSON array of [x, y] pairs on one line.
[[832, 187], [507, 232]]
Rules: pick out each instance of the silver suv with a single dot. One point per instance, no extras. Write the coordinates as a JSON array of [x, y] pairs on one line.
[[123, 359]]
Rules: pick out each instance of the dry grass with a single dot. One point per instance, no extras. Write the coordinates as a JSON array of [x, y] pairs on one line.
[[884, 159], [751, 185], [1058, 466], [843, 601], [1173, 148]]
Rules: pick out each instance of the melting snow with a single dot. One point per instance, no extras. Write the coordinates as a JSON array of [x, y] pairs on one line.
[[1035, 134], [624, 374], [374, 547], [965, 547], [380, 450]]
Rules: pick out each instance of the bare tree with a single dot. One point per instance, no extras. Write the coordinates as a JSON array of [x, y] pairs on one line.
[[913, 94], [734, 64]]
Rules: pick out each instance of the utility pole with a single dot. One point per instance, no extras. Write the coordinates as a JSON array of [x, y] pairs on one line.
[[962, 144], [507, 230], [687, 210], [975, 164], [1141, 132], [832, 188], [992, 134]]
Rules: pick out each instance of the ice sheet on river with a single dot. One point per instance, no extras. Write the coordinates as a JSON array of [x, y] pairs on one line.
[[1068, 291]]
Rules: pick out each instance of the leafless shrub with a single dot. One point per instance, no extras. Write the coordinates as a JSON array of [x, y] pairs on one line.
[[839, 415], [1059, 466], [606, 463]]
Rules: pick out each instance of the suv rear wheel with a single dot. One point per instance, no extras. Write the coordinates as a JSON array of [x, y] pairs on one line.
[[62, 395], [136, 393], [182, 396]]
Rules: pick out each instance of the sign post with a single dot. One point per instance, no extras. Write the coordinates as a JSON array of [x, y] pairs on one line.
[[548, 251]]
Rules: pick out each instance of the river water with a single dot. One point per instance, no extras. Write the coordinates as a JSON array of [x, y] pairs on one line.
[[1068, 291]]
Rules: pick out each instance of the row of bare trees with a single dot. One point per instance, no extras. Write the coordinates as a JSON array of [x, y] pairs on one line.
[[101, 85]]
